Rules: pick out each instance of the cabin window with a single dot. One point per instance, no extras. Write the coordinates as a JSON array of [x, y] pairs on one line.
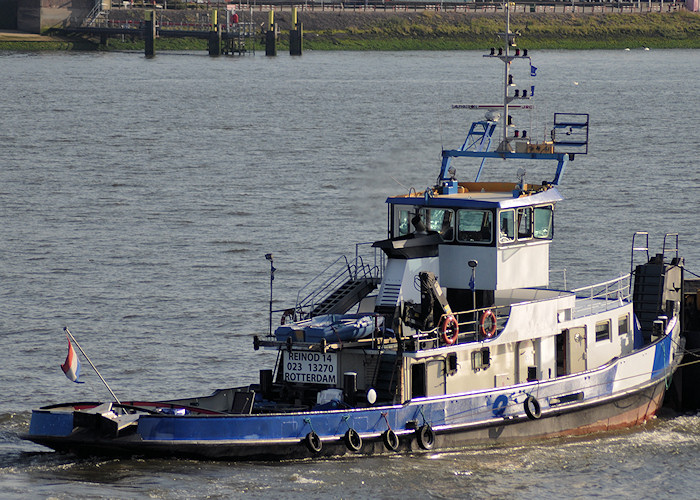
[[507, 226], [623, 325], [439, 220], [543, 222], [481, 359], [602, 331], [524, 223], [474, 226]]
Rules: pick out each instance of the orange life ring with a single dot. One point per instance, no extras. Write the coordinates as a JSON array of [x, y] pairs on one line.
[[449, 323], [488, 315]]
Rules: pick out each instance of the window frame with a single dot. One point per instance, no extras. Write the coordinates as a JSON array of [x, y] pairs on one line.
[[506, 239], [441, 230], [598, 336], [483, 212], [624, 319], [529, 235], [550, 209]]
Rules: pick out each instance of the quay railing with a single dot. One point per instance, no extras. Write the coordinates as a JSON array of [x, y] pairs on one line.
[[532, 6]]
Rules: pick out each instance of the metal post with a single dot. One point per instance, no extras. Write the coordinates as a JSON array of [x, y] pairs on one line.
[[472, 284], [268, 256], [149, 34], [65, 329], [271, 36]]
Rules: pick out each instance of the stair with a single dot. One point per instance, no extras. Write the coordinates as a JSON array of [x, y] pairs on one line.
[[647, 295], [346, 296]]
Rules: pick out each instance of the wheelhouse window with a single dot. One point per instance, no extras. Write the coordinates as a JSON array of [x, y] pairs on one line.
[[412, 219], [404, 221], [507, 226], [475, 226], [524, 223], [543, 222], [440, 220], [602, 331]]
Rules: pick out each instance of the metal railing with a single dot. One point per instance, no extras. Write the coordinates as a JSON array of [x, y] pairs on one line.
[[339, 272], [602, 296], [470, 325]]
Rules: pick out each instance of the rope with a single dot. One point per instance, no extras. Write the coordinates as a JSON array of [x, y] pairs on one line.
[[308, 421], [386, 420], [691, 272], [425, 420]]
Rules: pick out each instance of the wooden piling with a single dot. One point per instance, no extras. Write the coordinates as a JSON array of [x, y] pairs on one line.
[[149, 33]]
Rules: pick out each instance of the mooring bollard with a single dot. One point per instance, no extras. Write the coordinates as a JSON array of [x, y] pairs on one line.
[[215, 35], [270, 36], [295, 36], [149, 33]]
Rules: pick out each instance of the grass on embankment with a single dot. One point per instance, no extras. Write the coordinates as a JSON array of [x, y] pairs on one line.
[[437, 31], [446, 31]]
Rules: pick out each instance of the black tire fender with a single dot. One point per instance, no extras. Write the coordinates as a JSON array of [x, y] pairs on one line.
[[353, 440], [391, 440], [425, 436], [313, 442], [532, 408]]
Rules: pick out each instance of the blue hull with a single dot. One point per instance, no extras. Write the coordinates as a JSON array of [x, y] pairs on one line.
[[577, 404]]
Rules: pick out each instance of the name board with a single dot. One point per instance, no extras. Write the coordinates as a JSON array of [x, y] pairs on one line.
[[310, 367]]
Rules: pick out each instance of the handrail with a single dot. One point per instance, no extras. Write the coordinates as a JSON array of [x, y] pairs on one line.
[[675, 249], [324, 285], [609, 292], [469, 330], [93, 14], [603, 283], [348, 270]]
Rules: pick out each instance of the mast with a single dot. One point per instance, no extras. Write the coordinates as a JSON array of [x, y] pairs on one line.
[[509, 40], [506, 60]]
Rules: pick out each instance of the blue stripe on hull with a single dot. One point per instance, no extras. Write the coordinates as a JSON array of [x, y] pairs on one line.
[[490, 414]]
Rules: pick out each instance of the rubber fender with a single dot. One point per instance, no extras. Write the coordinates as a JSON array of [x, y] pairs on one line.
[[425, 436], [391, 440], [532, 408], [353, 440], [313, 442]]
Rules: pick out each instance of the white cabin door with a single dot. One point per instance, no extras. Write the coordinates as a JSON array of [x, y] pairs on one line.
[[576, 349], [525, 358]]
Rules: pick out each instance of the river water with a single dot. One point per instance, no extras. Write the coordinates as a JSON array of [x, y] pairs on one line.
[[139, 197]]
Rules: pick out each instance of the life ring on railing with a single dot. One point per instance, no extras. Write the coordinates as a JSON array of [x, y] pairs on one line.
[[288, 314], [449, 324], [488, 317]]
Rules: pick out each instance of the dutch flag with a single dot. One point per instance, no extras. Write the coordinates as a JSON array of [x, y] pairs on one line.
[[72, 365]]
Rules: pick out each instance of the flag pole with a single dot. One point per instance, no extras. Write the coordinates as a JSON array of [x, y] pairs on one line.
[[65, 329]]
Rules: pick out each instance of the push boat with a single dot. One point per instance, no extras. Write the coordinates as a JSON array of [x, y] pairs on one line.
[[451, 336]]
